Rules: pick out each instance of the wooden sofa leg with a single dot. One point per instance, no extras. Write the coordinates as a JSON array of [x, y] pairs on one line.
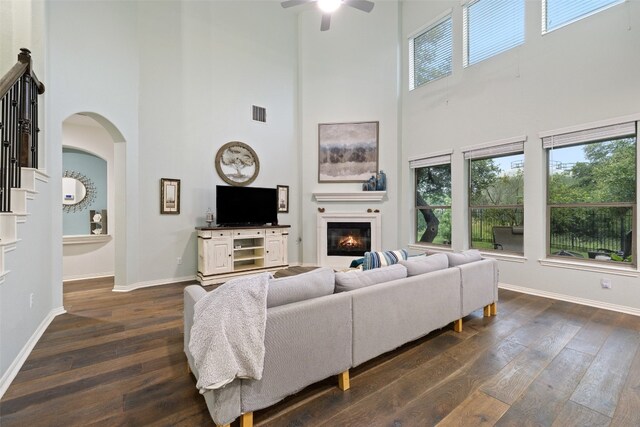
[[494, 308], [487, 310], [457, 325], [343, 381], [246, 420]]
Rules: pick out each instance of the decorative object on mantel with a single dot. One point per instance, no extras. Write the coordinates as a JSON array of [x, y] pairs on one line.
[[209, 217], [283, 198], [237, 163], [376, 211], [321, 210], [347, 152], [169, 196], [78, 192], [381, 181], [369, 210], [98, 221]]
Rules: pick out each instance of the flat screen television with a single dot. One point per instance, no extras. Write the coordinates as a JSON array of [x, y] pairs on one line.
[[246, 205]]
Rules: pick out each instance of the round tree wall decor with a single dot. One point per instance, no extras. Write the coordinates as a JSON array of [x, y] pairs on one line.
[[237, 163]]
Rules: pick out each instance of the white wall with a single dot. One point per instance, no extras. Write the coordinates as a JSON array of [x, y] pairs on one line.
[[91, 259], [30, 264], [349, 74], [584, 72]]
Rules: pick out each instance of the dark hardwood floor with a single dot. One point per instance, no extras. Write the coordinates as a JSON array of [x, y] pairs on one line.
[[116, 359]]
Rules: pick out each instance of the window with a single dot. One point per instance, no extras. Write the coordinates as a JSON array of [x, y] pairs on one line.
[[433, 199], [430, 53], [491, 27], [557, 13], [591, 193], [496, 195]]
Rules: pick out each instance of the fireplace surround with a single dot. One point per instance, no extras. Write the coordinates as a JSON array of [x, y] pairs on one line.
[[343, 237]]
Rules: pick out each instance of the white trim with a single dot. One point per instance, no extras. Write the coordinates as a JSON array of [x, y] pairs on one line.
[[585, 266], [424, 247], [435, 21], [592, 125], [83, 239], [349, 196], [87, 276], [576, 300], [149, 283], [504, 257], [323, 218], [17, 363], [492, 144], [428, 156]]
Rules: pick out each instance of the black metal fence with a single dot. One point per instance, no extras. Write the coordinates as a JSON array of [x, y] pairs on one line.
[[484, 219]]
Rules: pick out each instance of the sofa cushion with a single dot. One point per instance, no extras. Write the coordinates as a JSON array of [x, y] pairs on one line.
[[425, 264], [380, 259], [313, 284], [463, 257], [350, 280]]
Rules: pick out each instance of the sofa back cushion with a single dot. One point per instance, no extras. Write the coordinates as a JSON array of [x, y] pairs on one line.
[[381, 259], [350, 280], [425, 264], [464, 257], [313, 284]]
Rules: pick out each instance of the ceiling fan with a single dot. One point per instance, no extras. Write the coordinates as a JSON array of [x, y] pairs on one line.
[[329, 6]]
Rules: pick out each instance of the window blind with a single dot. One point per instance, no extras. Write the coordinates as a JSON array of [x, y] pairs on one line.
[[491, 27], [441, 159], [430, 54], [494, 150], [557, 13], [590, 135]]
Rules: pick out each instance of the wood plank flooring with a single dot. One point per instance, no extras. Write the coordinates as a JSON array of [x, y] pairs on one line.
[[116, 359]]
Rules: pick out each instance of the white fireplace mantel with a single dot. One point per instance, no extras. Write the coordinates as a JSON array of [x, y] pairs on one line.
[[341, 262], [349, 196]]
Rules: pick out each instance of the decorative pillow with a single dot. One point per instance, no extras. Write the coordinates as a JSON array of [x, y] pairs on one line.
[[380, 259], [356, 263], [425, 264], [313, 284], [463, 257], [350, 280]]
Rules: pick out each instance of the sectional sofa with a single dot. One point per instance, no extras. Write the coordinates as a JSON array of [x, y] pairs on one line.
[[321, 323]]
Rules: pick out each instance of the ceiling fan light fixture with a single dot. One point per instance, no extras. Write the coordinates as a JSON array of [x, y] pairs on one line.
[[328, 6]]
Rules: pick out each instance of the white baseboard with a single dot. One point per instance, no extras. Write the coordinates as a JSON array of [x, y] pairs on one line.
[[13, 370], [569, 298], [147, 284], [86, 276]]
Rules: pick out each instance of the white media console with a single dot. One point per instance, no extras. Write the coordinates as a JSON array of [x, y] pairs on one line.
[[225, 252]]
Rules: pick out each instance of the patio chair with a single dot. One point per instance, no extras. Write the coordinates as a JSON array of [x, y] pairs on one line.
[[509, 239]]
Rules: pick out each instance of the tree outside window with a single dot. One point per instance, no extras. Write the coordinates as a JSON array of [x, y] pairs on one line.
[[433, 204], [591, 200], [496, 193]]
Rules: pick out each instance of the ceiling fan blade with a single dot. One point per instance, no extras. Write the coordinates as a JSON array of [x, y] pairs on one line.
[[363, 5], [326, 21], [291, 3]]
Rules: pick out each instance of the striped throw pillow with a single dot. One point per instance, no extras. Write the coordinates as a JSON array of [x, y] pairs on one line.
[[380, 259]]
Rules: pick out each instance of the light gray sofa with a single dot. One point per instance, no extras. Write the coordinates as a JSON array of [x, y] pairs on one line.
[[313, 339]]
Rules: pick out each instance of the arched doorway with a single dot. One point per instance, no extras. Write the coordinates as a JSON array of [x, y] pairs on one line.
[[93, 231]]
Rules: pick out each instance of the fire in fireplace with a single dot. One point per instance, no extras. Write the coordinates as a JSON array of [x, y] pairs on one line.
[[348, 238]]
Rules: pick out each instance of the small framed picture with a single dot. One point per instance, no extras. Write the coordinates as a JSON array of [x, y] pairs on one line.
[[283, 198], [169, 196]]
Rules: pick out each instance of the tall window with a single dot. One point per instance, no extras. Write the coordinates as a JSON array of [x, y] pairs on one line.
[[430, 53], [557, 13], [496, 197], [592, 193], [433, 200], [491, 27]]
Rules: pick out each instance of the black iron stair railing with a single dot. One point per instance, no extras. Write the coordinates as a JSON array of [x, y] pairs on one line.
[[19, 90]]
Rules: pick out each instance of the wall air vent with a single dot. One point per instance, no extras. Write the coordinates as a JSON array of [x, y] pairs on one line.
[[259, 114]]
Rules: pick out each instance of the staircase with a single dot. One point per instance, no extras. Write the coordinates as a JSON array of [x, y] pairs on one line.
[[19, 90]]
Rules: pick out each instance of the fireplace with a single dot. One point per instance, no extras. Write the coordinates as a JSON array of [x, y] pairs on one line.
[[343, 237], [348, 238]]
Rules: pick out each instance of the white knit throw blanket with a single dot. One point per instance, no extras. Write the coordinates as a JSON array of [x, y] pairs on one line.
[[227, 336]]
